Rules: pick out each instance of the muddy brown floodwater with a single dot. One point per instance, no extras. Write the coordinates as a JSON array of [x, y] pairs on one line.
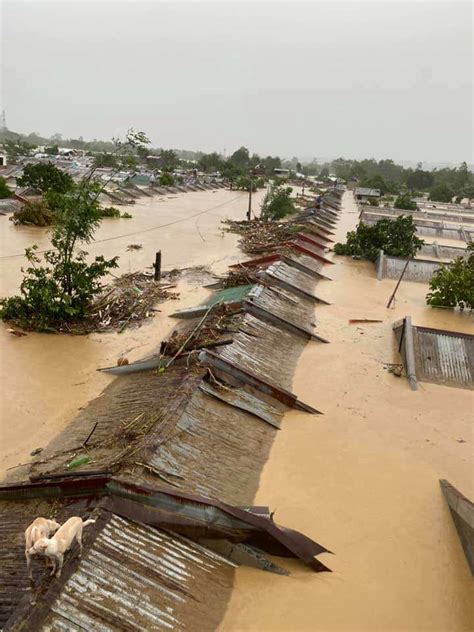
[[46, 378], [363, 479]]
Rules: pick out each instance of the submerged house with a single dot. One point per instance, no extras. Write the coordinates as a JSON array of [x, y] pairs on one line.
[[363, 194]]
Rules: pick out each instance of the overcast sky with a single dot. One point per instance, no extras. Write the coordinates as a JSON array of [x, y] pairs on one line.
[[358, 79]]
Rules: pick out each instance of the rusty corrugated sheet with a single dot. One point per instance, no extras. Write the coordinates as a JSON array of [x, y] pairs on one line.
[[265, 350], [243, 399], [133, 577], [293, 280], [282, 309], [444, 357]]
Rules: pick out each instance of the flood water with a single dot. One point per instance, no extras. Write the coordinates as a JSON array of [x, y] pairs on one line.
[[46, 378], [363, 479]]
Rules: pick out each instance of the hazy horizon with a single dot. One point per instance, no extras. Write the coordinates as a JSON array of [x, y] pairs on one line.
[[354, 79]]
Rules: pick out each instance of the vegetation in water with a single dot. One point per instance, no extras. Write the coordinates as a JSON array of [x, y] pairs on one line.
[[166, 180], [405, 202], [277, 203], [396, 238], [34, 213], [45, 177], [59, 288], [452, 285]]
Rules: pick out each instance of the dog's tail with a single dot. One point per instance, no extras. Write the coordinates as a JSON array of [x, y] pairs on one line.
[[88, 522]]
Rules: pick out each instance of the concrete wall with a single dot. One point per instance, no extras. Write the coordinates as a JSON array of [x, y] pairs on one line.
[[419, 270]]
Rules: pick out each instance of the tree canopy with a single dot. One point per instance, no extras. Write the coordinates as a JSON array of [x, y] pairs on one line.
[[44, 177], [395, 237], [452, 285]]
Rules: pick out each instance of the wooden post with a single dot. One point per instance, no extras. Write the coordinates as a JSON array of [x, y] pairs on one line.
[[157, 266]]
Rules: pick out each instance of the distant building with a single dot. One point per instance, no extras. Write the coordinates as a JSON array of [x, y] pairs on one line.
[[364, 195], [281, 173], [3, 160]]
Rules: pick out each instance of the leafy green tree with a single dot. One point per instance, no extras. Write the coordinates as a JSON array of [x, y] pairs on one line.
[[240, 158], [396, 238], [271, 163], [169, 160], [52, 151], [4, 190], [441, 193], [105, 161], [277, 204], [211, 162], [405, 202], [34, 213], [419, 180], [44, 177], [17, 148], [61, 290], [452, 285]]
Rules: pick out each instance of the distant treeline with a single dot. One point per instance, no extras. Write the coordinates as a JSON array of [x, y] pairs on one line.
[[442, 184]]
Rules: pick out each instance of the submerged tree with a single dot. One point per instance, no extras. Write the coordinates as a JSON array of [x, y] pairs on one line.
[[45, 177], [61, 290], [396, 238], [452, 285], [277, 203], [405, 202]]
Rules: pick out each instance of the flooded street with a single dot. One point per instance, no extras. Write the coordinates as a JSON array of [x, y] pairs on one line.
[[46, 378], [363, 479]]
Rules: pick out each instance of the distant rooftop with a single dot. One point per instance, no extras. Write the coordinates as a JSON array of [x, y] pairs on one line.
[[367, 192]]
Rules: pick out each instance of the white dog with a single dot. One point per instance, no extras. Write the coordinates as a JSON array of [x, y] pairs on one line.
[[55, 547], [38, 529]]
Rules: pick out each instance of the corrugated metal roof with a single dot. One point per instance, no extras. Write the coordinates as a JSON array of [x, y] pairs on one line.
[[134, 577], [292, 279], [265, 350], [367, 192], [444, 357]]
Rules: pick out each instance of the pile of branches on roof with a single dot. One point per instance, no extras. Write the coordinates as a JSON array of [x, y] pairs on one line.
[[128, 300], [215, 328], [258, 236]]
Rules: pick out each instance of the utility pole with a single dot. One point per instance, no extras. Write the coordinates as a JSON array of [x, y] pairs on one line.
[[249, 212]]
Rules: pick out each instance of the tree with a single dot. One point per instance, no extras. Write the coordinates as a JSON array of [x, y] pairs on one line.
[[396, 238], [405, 202], [105, 160], [169, 160], [271, 163], [44, 177], [62, 290], [441, 193], [240, 158], [4, 190], [419, 180], [52, 151], [277, 204], [211, 162], [17, 148], [452, 285], [166, 180]]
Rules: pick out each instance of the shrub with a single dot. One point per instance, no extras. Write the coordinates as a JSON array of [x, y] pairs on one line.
[[35, 213], [452, 285], [114, 213], [405, 202], [396, 238], [166, 180], [277, 204]]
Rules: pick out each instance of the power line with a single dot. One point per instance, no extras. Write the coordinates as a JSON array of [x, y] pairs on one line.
[[138, 232]]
